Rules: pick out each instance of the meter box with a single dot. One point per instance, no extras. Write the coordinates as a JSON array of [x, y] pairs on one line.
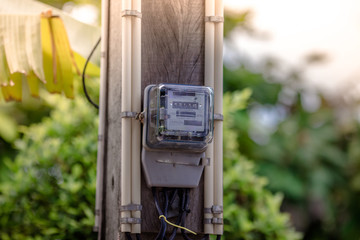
[[178, 117], [178, 126]]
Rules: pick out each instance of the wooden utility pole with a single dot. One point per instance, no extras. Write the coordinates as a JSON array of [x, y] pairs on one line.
[[172, 52]]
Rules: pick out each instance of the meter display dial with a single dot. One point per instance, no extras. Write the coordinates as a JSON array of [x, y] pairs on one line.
[[185, 112]]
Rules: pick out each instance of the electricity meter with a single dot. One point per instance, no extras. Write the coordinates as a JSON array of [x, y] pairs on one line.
[[178, 126], [178, 117]]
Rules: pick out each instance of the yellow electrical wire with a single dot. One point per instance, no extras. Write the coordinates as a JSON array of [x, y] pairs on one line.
[[181, 227]]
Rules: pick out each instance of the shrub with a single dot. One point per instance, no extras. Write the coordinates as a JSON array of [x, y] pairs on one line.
[[49, 192], [250, 211]]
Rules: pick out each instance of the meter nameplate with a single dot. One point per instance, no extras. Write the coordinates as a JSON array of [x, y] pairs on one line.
[[185, 111]]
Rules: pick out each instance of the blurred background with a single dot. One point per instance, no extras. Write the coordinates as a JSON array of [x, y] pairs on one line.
[[301, 126], [291, 143]]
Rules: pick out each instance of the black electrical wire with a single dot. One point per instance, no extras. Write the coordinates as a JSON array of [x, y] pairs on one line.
[[184, 201], [172, 198], [83, 75], [180, 207], [161, 233], [157, 206], [128, 236], [186, 210], [156, 201], [166, 207]]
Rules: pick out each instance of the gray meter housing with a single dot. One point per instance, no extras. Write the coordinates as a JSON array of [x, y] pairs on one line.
[[178, 126]]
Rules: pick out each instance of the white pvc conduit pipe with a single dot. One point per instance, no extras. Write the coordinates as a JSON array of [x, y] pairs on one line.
[[126, 122], [130, 101], [136, 107], [209, 81], [102, 112], [213, 190], [218, 108]]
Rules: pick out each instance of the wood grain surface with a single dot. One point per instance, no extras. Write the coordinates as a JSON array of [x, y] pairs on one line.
[[173, 41], [172, 52]]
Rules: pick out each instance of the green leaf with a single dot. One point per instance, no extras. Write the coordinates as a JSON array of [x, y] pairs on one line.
[[8, 128]]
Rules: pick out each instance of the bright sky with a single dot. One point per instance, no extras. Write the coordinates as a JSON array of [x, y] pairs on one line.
[[297, 28]]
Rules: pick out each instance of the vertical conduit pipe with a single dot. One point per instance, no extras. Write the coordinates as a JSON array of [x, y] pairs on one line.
[[102, 114], [218, 128], [209, 81], [126, 122], [136, 107]]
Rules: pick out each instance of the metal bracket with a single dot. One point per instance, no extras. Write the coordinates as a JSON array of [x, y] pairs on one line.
[[131, 207], [214, 19], [217, 221], [218, 117], [207, 210], [213, 221], [130, 220], [205, 161], [138, 116], [214, 209], [128, 114], [131, 13], [207, 220], [100, 137]]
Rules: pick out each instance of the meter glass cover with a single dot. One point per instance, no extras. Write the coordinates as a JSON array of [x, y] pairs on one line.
[[179, 116]]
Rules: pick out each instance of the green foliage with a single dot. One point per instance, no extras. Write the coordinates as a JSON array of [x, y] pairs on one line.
[[312, 157], [7, 128], [241, 78], [308, 156], [250, 211], [49, 190], [312, 153], [234, 20], [14, 114]]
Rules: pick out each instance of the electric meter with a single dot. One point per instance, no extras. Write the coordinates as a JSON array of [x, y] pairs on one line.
[[178, 117], [178, 127]]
